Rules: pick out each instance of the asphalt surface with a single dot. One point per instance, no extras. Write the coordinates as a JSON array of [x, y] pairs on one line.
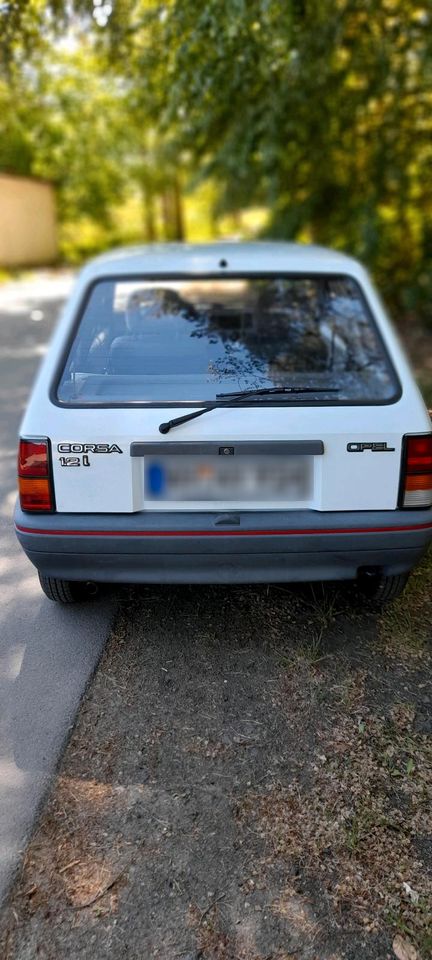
[[47, 653]]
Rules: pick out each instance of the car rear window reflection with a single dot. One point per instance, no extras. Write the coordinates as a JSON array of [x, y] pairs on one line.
[[158, 341]]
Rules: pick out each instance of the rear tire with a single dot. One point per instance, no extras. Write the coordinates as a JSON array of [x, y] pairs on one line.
[[380, 588], [66, 591]]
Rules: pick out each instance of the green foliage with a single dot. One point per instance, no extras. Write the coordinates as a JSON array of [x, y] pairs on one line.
[[318, 110], [23, 24], [69, 115], [16, 118], [64, 121], [84, 145]]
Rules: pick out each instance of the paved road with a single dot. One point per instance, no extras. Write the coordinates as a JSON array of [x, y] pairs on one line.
[[47, 653]]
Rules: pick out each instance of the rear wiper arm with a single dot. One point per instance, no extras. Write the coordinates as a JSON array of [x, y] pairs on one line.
[[228, 398]]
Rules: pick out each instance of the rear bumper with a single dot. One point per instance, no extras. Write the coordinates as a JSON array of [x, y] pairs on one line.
[[215, 548]]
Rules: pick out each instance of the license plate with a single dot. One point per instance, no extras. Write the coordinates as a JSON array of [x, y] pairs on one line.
[[191, 477]]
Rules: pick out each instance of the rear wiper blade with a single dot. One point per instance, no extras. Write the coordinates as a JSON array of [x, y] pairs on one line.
[[228, 398], [264, 390]]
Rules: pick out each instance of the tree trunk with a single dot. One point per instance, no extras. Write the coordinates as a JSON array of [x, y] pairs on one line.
[[172, 212], [149, 215], [166, 214], [178, 211]]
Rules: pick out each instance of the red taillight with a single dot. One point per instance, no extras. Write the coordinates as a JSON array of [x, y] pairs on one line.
[[33, 458], [34, 482], [417, 472]]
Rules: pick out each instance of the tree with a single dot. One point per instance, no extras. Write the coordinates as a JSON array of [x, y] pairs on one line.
[[69, 116], [319, 109], [61, 120]]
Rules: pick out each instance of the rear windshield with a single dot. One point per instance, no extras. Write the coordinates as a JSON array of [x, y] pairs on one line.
[[154, 341]]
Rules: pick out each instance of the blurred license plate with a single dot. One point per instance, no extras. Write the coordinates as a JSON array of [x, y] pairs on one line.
[[191, 477]]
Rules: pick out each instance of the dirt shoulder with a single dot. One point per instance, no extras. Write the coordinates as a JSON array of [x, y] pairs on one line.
[[250, 778]]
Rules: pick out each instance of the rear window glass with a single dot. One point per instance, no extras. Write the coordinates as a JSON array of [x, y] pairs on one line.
[[160, 341]]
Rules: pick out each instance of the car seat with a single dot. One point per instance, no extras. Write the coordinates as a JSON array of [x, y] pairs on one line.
[[152, 316]]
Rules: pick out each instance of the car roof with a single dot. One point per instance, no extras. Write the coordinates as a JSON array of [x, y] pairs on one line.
[[227, 257]]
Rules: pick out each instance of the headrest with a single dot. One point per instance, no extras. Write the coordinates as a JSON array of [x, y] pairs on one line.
[[150, 304]]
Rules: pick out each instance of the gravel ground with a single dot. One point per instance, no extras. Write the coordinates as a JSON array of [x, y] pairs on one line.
[[249, 778]]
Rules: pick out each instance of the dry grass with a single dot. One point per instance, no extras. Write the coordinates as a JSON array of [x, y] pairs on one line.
[[357, 818], [76, 869], [352, 826], [406, 624], [311, 820]]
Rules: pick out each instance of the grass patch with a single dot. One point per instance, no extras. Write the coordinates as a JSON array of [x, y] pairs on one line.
[[5, 276], [17, 274], [357, 817], [352, 824], [405, 626]]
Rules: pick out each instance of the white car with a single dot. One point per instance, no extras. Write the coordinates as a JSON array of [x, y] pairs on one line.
[[224, 413]]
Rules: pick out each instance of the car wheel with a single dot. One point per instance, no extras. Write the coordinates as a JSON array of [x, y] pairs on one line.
[[380, 589], [67, 591]]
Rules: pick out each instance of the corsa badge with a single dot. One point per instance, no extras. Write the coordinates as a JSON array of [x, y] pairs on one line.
[[88, 448]]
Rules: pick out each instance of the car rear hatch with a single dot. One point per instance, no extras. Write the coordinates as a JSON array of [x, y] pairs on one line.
[[255, 459], [146, 351]]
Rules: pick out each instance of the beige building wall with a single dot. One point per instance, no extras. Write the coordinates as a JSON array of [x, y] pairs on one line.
[[28, 223]]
